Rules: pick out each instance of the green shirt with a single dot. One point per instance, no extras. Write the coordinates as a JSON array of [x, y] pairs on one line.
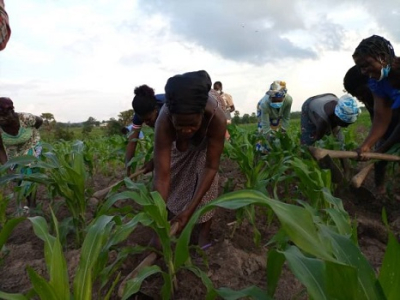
[[269, 114]]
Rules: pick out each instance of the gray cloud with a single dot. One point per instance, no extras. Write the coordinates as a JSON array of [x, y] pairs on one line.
[[237, 30]]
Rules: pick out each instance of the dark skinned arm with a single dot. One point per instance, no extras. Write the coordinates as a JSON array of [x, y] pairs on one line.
[[321, 127], [162, 155], [215, 146], [380, 123], [3, 155], [391, 140], [131, 149]]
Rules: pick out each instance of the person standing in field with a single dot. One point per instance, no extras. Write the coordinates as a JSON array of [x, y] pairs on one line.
[[356, 84], [19, 136], [229, 107], [146, 105], [375, 57], [5, 30], [189, 140], [275, 108]]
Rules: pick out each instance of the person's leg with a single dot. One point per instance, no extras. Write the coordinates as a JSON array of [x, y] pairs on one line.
[[380, 170], [204, 235]]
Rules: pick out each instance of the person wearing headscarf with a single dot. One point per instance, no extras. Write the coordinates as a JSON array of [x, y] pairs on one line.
[[375, 57], [356, 84], [189, 140], [5, 30], [19, 135], [275, 108], [146, 105], [325, 114]]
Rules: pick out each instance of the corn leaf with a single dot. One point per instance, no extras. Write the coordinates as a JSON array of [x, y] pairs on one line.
[[89, 254], [41, 286], [389, 276], [275, 263], [133, 285], [8, 296], [7, 229], [310, 272]]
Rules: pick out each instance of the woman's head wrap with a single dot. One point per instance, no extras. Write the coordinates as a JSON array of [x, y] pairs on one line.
[[347, 109], [277, 89], [6, 103], [187, 93]]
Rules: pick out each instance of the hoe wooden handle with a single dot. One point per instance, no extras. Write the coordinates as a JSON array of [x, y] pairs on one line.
[[147, 262], [359, 178], [319, 153], [102, 193]]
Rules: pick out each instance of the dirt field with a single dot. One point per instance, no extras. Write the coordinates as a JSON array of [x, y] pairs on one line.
[[233, 261]]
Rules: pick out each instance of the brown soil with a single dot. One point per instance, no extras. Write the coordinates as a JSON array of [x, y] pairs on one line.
[[233, 261]]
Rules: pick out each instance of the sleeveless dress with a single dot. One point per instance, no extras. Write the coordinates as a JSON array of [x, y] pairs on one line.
[[186, 170]]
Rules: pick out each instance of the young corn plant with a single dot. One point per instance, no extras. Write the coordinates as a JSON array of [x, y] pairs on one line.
[[64, 173], [103, 234], [323, 254]]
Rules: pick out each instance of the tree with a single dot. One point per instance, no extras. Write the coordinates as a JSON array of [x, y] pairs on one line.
[[236, 117], [125, 117], [47, 117], [246, 119], [48, 121], [88, 125], [253, 118], [113, 127]]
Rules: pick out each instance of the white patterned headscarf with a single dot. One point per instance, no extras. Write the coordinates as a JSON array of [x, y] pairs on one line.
[[347, 109], [277, 89]]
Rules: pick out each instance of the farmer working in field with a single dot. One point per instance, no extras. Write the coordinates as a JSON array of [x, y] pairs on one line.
[[375, 58], [275, 108], [146, 106], [228, 104], [19, 136], [189, 140], [325, 114], [356, 84]]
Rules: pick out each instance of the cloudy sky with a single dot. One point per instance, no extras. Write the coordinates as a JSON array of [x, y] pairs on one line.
[[82, 58]]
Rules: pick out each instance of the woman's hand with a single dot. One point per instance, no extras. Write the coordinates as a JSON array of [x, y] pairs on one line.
[[182, 219], [361, 150], [148, 167]]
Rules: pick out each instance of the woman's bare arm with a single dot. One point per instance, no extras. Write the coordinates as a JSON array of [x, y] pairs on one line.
[[162, 154], [215, 146], [380, 123]]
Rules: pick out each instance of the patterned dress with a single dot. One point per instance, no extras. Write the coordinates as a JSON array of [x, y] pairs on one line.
[[27, 141], [186, 170]]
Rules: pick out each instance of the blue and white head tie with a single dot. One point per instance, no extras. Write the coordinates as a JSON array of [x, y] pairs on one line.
[[277, 89], [347, 109]]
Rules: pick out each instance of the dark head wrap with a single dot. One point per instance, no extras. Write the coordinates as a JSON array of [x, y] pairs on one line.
[[6, 103], [187, 93]]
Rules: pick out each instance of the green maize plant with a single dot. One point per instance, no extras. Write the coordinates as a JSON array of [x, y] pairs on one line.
[[144, 151], [7, 224], [241, 149], [104, 233], [324, 256], [153, 206], [64, 173]]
